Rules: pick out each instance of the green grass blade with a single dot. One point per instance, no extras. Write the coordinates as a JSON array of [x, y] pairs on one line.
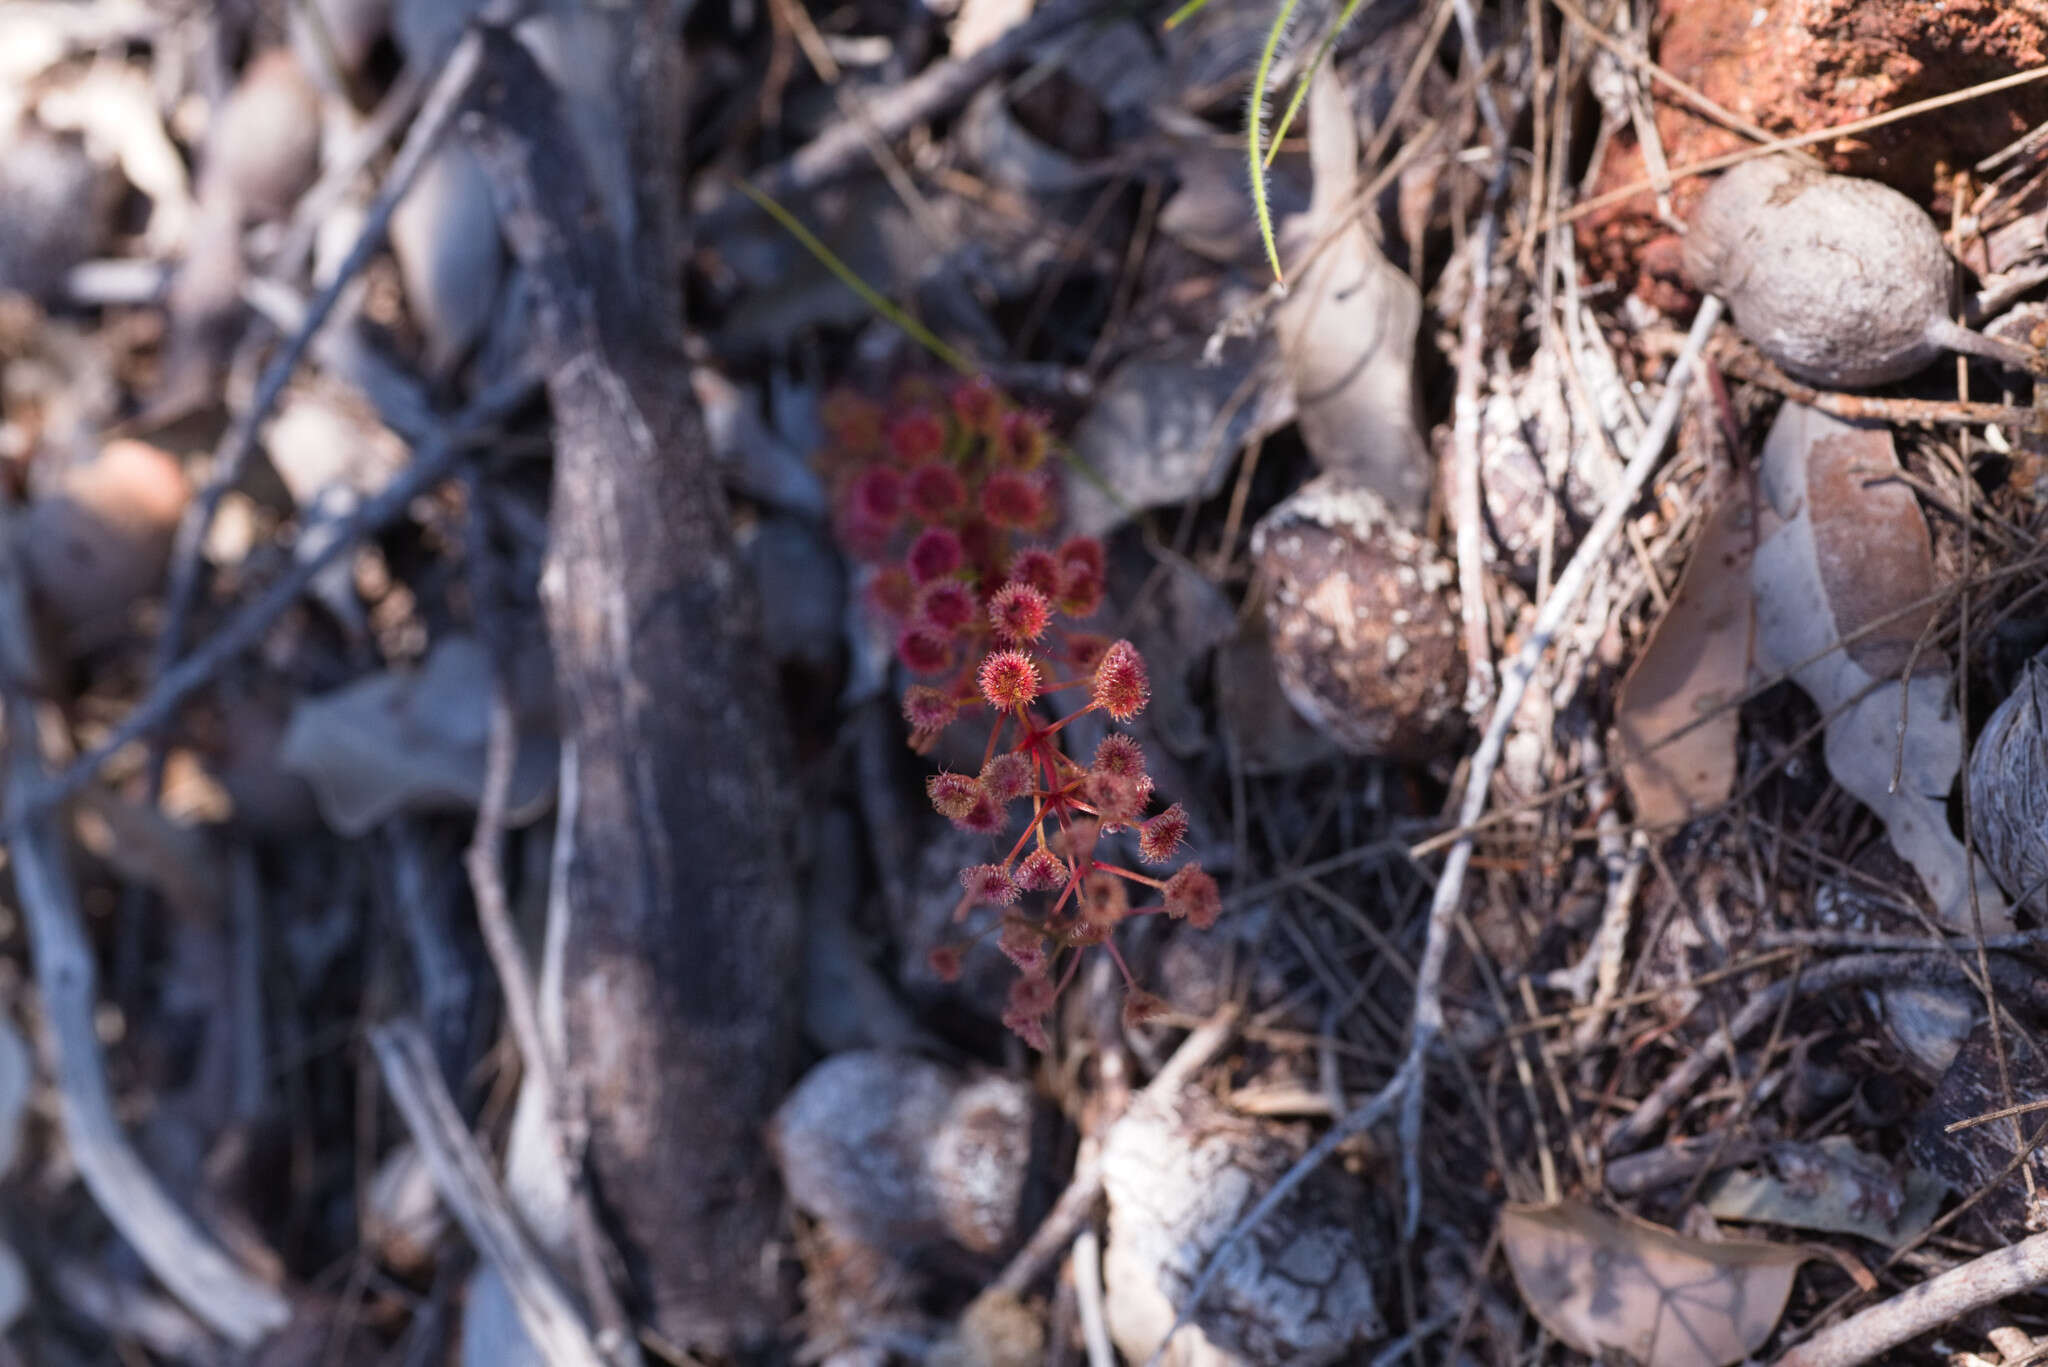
[[1255, 120], [872, 297], [1294, 103], [1185, 13]]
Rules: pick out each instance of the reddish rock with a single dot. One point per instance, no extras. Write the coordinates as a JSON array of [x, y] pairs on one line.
[[1790, 66]]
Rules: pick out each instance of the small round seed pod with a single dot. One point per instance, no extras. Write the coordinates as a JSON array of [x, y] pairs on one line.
[[1842, 282], [1364, 629], [2009, 788]]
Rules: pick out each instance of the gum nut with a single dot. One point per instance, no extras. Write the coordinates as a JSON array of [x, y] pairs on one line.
[[102, 537], [263, 151], [1840, 281], [445, 236], [1363, 625]]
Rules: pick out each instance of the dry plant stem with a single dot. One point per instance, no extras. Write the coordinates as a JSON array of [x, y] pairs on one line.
[[1426, 1025], [463, 1179], [1984, 1281], [932, 91], [432, 462], [1076, 1205], [231, 1302], [233, 457]]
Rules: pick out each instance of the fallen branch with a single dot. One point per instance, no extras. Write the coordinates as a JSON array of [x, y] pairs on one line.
[[464, 1182], [1406, 1087], [1936, 1302], [177, 1252]]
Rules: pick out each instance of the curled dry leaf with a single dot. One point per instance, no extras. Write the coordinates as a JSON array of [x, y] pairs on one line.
[[1347, 326], [1694, 667], [1604, 1283], [411, 741], [1844, 577]]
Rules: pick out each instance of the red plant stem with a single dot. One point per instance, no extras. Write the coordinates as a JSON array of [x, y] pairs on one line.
[[1133, 875], [1121, 967]]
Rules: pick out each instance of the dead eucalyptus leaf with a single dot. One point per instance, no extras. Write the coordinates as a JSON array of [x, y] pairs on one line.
[[1347, 327], [410, 741], [444, 234], [1830, 1186], [1841, 548], [1697, 661], [1601, 1283]]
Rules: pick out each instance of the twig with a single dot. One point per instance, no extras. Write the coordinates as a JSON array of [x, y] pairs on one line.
[[188, 1263], [484, 860], [1471, 506], [240, 442], [1807, 139], [932, 91], [464, 1182], [1427, 1021], [1076, 1205], [1738, 360], [493, 911], [432, 462], [1088, 1291], [1935, 1302]]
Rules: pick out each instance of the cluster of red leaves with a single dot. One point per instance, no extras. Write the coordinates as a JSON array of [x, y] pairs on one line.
[[943, 493]]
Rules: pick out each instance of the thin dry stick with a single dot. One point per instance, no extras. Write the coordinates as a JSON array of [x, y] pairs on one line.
[[234, 1304], [1938, 1301], [1465, 436], [1697, 168], [432, 462], [493, 909], [1427, 1021], [1088, 1291], [233, 458], [1737, 359], [463, 1179], [484, 861]]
